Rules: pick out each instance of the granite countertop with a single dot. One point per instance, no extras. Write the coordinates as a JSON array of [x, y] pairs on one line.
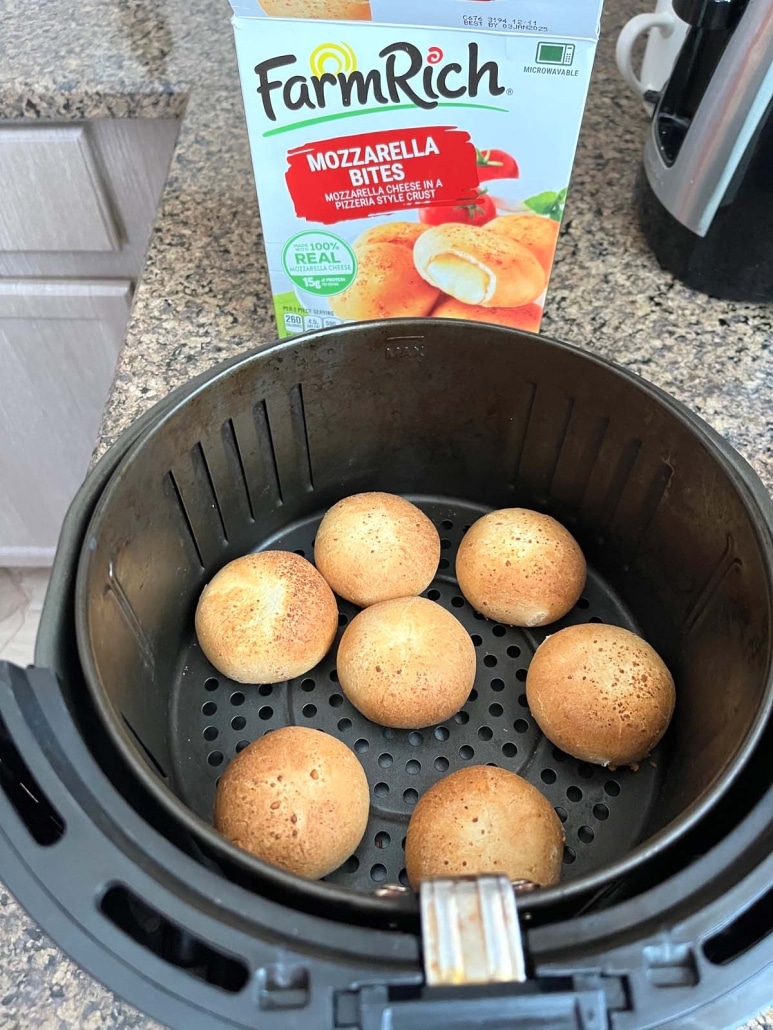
[[204, 292]]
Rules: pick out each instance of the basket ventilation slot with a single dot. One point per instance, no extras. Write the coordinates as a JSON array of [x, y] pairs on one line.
[[710, 592], [186, 520], [283, 439], [620, 479], [267, 447], [201, 465], [231, 445], [638, 521], [301, 429], [576, 463], [169, 942], [520, 428], [541, 448], [546, 436]]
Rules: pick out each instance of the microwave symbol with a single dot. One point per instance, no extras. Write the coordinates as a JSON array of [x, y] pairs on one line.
[[555, 53]]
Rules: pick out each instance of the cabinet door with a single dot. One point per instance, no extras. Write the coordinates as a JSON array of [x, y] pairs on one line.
[[79, 201], [59, 342], [53, 197]]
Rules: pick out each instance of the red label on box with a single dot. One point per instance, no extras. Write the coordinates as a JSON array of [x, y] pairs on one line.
[[396, 170]]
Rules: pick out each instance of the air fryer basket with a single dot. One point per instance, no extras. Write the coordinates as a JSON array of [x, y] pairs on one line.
[[461, 418]]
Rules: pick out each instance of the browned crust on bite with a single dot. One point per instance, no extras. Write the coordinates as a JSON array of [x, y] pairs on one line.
[[520, 278], [387, 285], [600, 693], [297, 798], [406, 663], [537, 234], [404, 234], [526, 317], [375, 546], [484, 820], [266, 617], [336, 10], [520, 567]]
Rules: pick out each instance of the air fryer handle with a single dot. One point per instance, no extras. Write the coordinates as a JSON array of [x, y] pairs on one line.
[[525, 1007]]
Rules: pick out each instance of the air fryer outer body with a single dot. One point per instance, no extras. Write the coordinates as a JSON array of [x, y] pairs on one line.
[[734, 260], [704, 194], [133, 896], [195, 951], [412, 407]]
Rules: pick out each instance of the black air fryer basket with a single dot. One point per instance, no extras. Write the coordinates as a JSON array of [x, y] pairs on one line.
[[110, 749]]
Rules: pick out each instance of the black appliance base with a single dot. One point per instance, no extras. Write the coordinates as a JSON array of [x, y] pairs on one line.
[[194, 950], [734, 261]]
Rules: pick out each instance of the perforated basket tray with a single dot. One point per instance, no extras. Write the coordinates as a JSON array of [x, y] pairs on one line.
[[603, 813]]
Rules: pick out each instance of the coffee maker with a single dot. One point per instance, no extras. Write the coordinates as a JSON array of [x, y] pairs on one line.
[[705, 191]]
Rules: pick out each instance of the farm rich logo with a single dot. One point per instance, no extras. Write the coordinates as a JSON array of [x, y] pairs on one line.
[[407, 75]]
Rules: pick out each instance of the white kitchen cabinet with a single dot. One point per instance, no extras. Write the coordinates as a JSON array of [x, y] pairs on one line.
[[77, 205], [53, 195], [58, 346], [85, 195]]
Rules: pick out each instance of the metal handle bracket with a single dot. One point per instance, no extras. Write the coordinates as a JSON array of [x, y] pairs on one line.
[[470, 932]]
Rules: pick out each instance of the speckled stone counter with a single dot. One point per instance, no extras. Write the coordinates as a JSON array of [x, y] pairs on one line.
[[67, 59], [204, 293]]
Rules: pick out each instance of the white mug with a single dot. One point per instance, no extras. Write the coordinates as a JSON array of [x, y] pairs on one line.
[[666, 35]]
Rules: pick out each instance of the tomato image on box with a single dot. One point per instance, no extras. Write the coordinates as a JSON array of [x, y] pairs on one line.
[[412, 163]]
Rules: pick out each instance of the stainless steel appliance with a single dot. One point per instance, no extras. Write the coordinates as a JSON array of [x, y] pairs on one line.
[[706, 191]]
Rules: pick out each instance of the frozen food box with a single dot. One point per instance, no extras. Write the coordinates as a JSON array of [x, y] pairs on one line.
[[412, 157]]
